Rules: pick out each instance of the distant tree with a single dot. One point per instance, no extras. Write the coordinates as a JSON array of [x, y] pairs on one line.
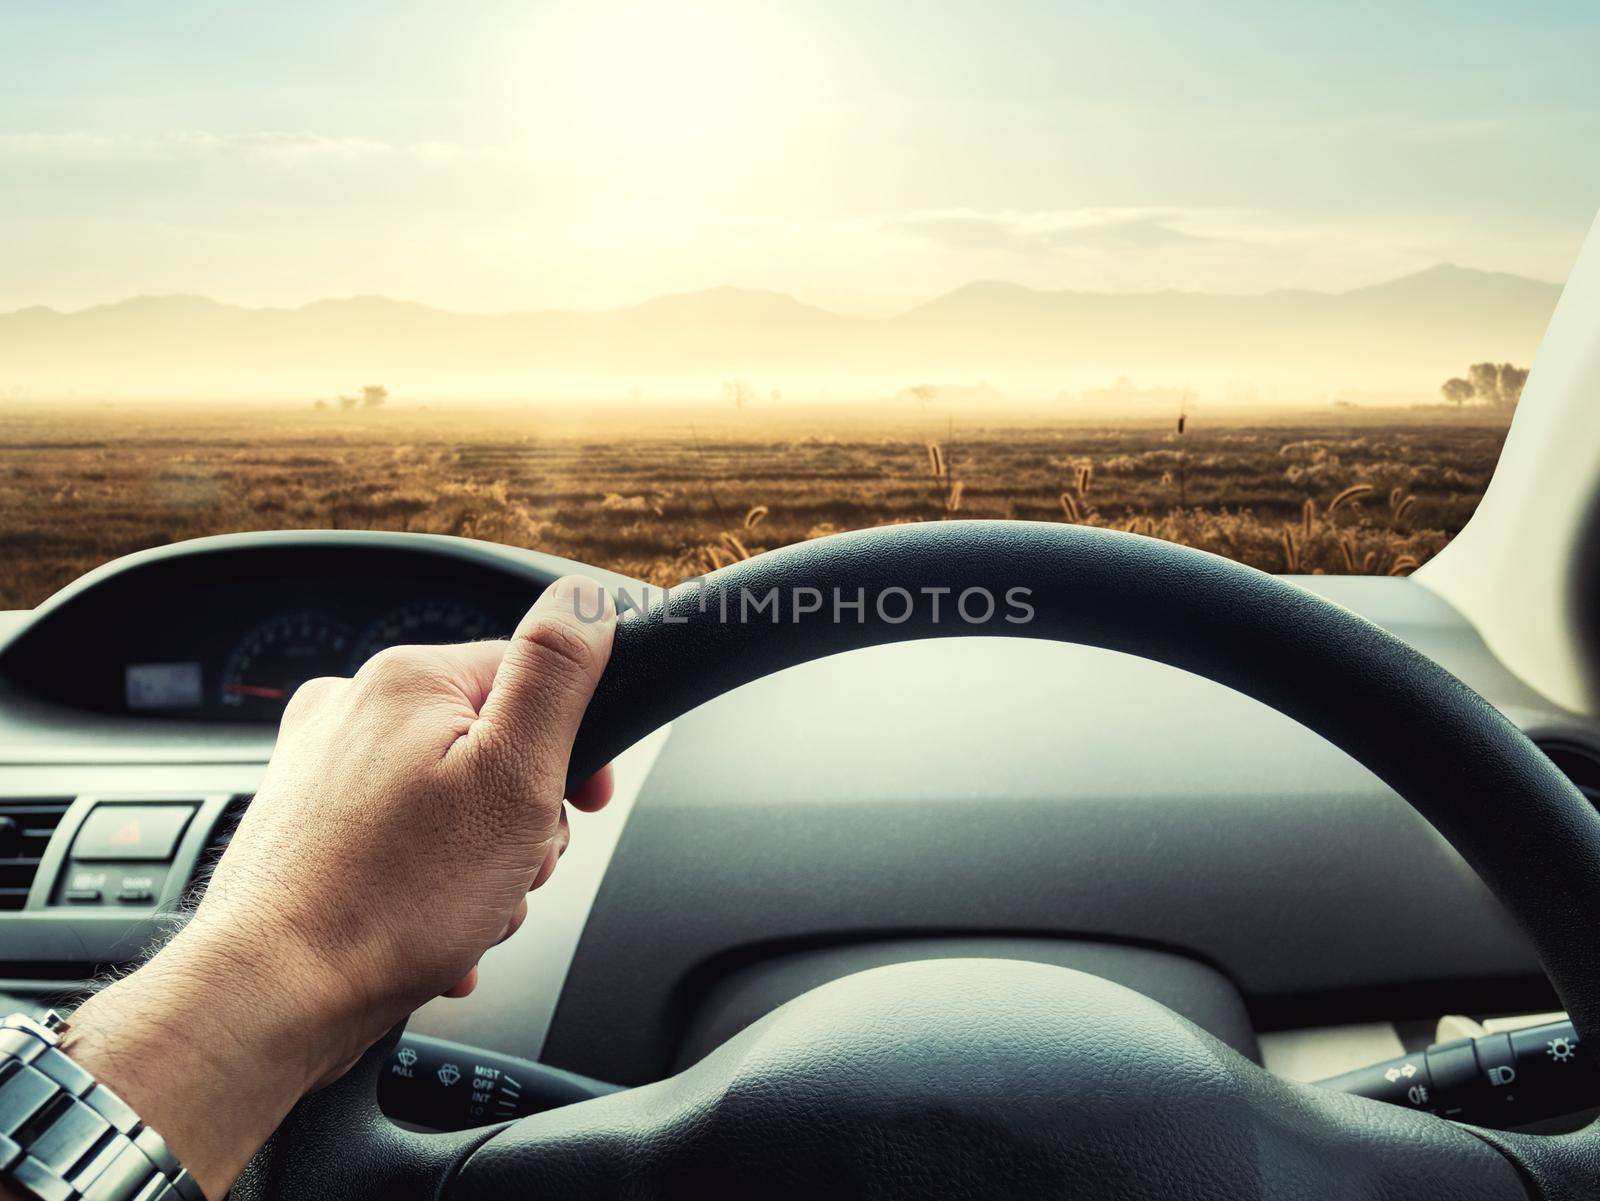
[[321, 404], [373, 396], [923, 394], [738, 392], [348, 402], [1457, 391], [1498, 385], [1512, 381], [1485, 380]]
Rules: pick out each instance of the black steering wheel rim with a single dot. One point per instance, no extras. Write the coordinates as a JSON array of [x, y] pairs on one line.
[[1473, 775]]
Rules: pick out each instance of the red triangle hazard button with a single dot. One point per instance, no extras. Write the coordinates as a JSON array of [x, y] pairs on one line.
[[127, 831]]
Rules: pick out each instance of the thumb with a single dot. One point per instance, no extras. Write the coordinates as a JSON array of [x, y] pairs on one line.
[[550, 669]]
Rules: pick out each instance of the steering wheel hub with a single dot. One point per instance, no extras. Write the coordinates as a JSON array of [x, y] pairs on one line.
[[973, 1077]]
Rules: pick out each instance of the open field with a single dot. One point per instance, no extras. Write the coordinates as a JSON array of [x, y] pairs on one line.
[[667, 495]]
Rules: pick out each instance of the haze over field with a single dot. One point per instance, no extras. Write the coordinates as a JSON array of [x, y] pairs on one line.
[[1396, 340], [654, 199]]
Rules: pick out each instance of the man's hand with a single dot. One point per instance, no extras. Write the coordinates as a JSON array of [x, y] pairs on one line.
[[404, 817], [407, 813]]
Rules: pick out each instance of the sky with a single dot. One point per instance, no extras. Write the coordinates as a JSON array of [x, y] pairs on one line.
[[863, 155]]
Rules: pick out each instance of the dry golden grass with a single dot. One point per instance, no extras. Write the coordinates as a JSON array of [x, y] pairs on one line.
[[667, 495]]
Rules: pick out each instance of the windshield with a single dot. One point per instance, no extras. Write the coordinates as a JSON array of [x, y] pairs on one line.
[[657, 286]]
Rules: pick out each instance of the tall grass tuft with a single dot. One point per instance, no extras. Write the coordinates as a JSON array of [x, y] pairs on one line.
[[1352, 493], [1404, 565]]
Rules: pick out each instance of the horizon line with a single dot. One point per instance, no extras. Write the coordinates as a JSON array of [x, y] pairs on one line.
[[1440, 266]]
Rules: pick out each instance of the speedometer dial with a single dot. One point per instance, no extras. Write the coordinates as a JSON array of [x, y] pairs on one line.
[[425, 623], [278, 655]]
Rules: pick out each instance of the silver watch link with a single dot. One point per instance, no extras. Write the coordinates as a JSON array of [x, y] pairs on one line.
[[64, 1136]]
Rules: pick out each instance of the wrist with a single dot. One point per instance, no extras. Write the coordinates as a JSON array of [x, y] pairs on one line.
[[212, 1047]]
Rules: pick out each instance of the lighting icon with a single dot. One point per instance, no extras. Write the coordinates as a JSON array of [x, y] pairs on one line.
[[1562, 1049]]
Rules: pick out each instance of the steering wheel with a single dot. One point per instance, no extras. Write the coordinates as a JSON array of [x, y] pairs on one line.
[[968, 1078]]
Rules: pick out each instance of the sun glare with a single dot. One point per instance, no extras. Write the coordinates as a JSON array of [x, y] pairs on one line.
[[649, 75]]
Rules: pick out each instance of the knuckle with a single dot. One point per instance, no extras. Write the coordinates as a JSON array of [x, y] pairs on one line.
[[391, 659], [310, 694], [397, 669], [554, 642]]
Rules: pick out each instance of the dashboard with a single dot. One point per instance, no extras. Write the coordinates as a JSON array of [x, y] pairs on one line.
[[229, 638], [247, 666], [957, 797]]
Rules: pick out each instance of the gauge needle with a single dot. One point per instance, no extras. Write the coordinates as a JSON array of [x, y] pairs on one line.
[[270, 694]]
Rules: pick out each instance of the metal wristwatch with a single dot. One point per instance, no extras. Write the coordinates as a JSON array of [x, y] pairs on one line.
[[65, 1136]]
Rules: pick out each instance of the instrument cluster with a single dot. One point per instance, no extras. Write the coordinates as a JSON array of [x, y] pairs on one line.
[[252, 676], [278, 654], [228, 628]]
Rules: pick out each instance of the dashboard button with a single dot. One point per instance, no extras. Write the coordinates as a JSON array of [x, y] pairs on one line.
[[132, 883], [145, 832]]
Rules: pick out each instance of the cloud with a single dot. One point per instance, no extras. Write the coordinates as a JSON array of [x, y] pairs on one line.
[[1046, 232]]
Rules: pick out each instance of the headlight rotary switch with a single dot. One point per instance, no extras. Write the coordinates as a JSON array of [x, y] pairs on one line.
[[1498, 1080]]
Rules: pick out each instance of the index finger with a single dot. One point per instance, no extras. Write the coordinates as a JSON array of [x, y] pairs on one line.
[[594, 793]]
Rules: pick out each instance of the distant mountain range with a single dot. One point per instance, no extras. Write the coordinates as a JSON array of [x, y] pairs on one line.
[[1411, 329]]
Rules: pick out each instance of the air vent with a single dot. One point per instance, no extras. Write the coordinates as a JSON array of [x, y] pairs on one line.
[[1579, 764], [26, 824]]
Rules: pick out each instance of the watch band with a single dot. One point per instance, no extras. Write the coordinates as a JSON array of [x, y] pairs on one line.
[[65, 1136]]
